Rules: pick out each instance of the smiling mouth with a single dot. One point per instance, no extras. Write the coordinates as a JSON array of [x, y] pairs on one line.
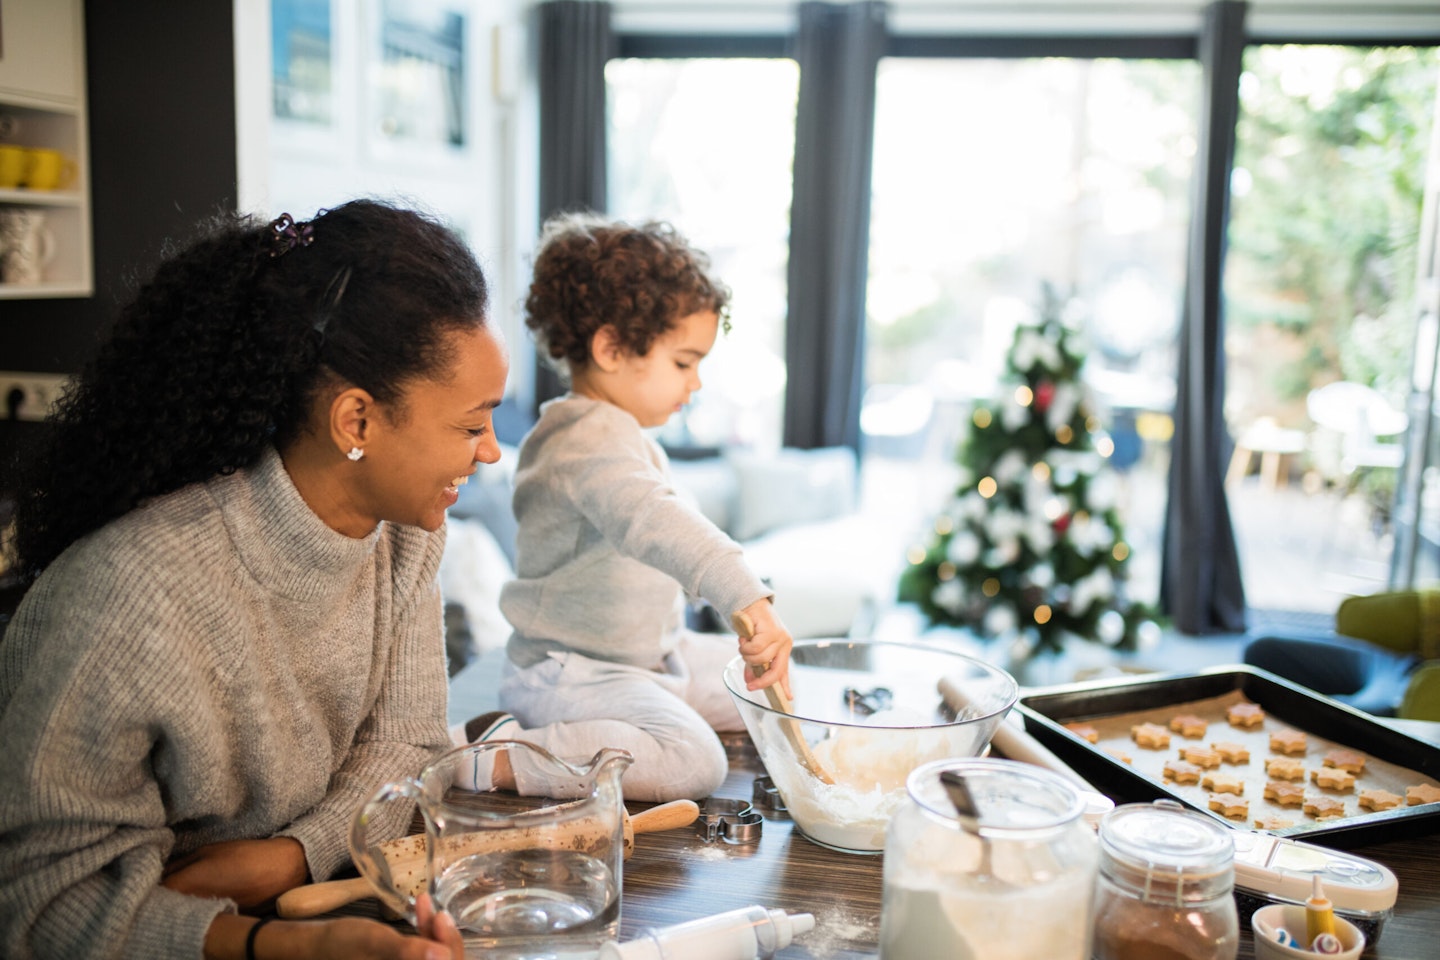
[[459, 482]]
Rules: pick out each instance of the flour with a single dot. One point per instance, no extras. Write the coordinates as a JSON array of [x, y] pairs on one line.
[[837, 929], [870, 766]]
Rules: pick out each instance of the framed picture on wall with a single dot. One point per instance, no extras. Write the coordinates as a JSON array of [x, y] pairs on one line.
[[303, 67], [416, 80]]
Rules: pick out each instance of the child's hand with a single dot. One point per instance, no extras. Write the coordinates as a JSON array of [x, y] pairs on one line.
[[766, 648]]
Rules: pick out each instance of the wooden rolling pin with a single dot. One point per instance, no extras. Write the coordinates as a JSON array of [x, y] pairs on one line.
[[1010, 739], [778, 701], [406, 856]]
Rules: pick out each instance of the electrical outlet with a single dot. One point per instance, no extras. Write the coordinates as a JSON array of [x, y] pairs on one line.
[[37, 396]]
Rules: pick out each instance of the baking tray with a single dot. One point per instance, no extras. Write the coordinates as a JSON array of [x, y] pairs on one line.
[[1047, 709]]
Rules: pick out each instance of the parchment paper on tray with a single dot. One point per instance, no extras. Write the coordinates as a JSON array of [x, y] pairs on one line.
[[1115, 739]]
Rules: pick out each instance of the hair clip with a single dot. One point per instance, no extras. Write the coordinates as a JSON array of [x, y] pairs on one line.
[[287, 234]]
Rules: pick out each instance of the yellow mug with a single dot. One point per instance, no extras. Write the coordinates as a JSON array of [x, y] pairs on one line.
[[13, 161], [49, 169]]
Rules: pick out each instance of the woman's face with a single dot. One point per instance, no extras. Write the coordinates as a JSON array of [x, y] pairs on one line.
[[422, 449]]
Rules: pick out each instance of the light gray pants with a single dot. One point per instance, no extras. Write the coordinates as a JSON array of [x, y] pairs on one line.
[[573, 705]]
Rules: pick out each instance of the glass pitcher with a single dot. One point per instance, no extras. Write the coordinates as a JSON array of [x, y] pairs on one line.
[[520, 880]]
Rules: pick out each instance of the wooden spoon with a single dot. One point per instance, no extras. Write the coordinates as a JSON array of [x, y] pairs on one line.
[[406, 856], [778, 701]]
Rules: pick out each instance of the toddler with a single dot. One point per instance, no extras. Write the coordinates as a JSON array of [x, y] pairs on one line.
[[606, 550]]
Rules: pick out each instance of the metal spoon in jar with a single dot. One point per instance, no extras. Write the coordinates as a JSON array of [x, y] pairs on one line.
[[969, 816]]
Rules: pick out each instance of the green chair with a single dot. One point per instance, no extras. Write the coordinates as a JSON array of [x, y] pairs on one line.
[[1383, 657], [1406, 623]]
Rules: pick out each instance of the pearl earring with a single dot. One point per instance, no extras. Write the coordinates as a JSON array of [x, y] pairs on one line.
[[355, 453]]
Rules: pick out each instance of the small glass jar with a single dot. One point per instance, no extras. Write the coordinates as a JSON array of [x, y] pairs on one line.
[[1027, 896], [1165, 890]]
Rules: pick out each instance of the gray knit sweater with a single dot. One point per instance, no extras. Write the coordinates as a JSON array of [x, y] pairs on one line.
[[217, 664], [606, 547]]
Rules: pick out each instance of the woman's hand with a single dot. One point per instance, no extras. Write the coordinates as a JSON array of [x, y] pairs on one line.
[[768, 647], [347, 938], [250, 872]]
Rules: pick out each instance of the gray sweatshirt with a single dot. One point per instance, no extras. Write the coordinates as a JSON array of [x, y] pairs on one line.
[[217, 664], [606, 548]]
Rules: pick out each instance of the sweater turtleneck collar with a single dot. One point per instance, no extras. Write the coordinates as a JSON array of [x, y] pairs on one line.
[[282, 542]]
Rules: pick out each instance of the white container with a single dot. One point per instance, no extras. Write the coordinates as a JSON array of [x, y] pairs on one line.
[[750, 933], [1032, 900]]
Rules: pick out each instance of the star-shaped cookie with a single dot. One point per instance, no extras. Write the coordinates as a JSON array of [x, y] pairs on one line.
[[1285, 768], [1422, 793], [1233, 808], [1232, 752], [1151, 736], [1379, 799], [1285, 794], [1188, 725], [1329, 778], [1223, 783], [1351, 761], [1181, 772], [1288, 741], [1209, 759], [1323, 808], [1245, 715]]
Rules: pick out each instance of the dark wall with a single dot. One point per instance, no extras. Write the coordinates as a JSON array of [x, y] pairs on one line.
[[161, 80]]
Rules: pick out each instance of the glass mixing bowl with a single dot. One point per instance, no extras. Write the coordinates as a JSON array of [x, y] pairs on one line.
[[869, 712]]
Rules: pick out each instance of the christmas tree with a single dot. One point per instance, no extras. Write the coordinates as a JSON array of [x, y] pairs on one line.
[[1030, 545]]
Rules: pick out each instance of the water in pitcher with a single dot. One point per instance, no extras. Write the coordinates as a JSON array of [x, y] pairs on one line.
[[546, 900]]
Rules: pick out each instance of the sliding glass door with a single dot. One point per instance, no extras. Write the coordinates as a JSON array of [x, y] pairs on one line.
[[1321, 313], [707, 144], [992, 179]]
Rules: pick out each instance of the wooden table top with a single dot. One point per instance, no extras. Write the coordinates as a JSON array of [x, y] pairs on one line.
[[677, 876]]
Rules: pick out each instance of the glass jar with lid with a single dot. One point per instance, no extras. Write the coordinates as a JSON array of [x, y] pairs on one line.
[[1012, 876], [1165, 889]]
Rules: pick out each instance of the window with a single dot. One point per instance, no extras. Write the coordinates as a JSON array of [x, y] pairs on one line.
[[708, 145], [993, 178], [1320, 311]]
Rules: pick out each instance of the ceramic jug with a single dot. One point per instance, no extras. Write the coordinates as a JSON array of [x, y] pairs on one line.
[[522, 877], [27, 246]]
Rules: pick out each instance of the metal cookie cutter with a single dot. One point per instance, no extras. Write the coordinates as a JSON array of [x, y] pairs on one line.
[[766, 796], [733, 821]]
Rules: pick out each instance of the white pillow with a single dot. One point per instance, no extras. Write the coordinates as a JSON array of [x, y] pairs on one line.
[[472, 571], [790, 486], [708, 484]]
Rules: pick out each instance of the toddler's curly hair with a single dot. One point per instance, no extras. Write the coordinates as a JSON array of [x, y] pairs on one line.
[[638, 278]]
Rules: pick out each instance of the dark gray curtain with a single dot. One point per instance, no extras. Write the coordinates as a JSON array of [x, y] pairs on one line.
[[575, 43], [1200, 585], [838, 48]]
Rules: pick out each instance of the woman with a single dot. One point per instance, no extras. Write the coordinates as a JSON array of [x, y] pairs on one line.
[[233, 634]]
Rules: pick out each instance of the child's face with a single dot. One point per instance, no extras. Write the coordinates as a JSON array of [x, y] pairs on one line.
[[652, 387]]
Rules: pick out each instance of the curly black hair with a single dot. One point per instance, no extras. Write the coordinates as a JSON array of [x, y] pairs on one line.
[[223, 350], [639, 278]]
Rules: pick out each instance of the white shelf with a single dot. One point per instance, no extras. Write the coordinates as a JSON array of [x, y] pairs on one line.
[[42, 96], [42, 198], [48, 289]]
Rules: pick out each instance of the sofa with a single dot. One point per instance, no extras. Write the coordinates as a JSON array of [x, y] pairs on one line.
[[795, 512]]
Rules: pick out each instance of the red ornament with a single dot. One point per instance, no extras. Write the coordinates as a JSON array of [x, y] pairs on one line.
[[1044, 395], [1062, 523]]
